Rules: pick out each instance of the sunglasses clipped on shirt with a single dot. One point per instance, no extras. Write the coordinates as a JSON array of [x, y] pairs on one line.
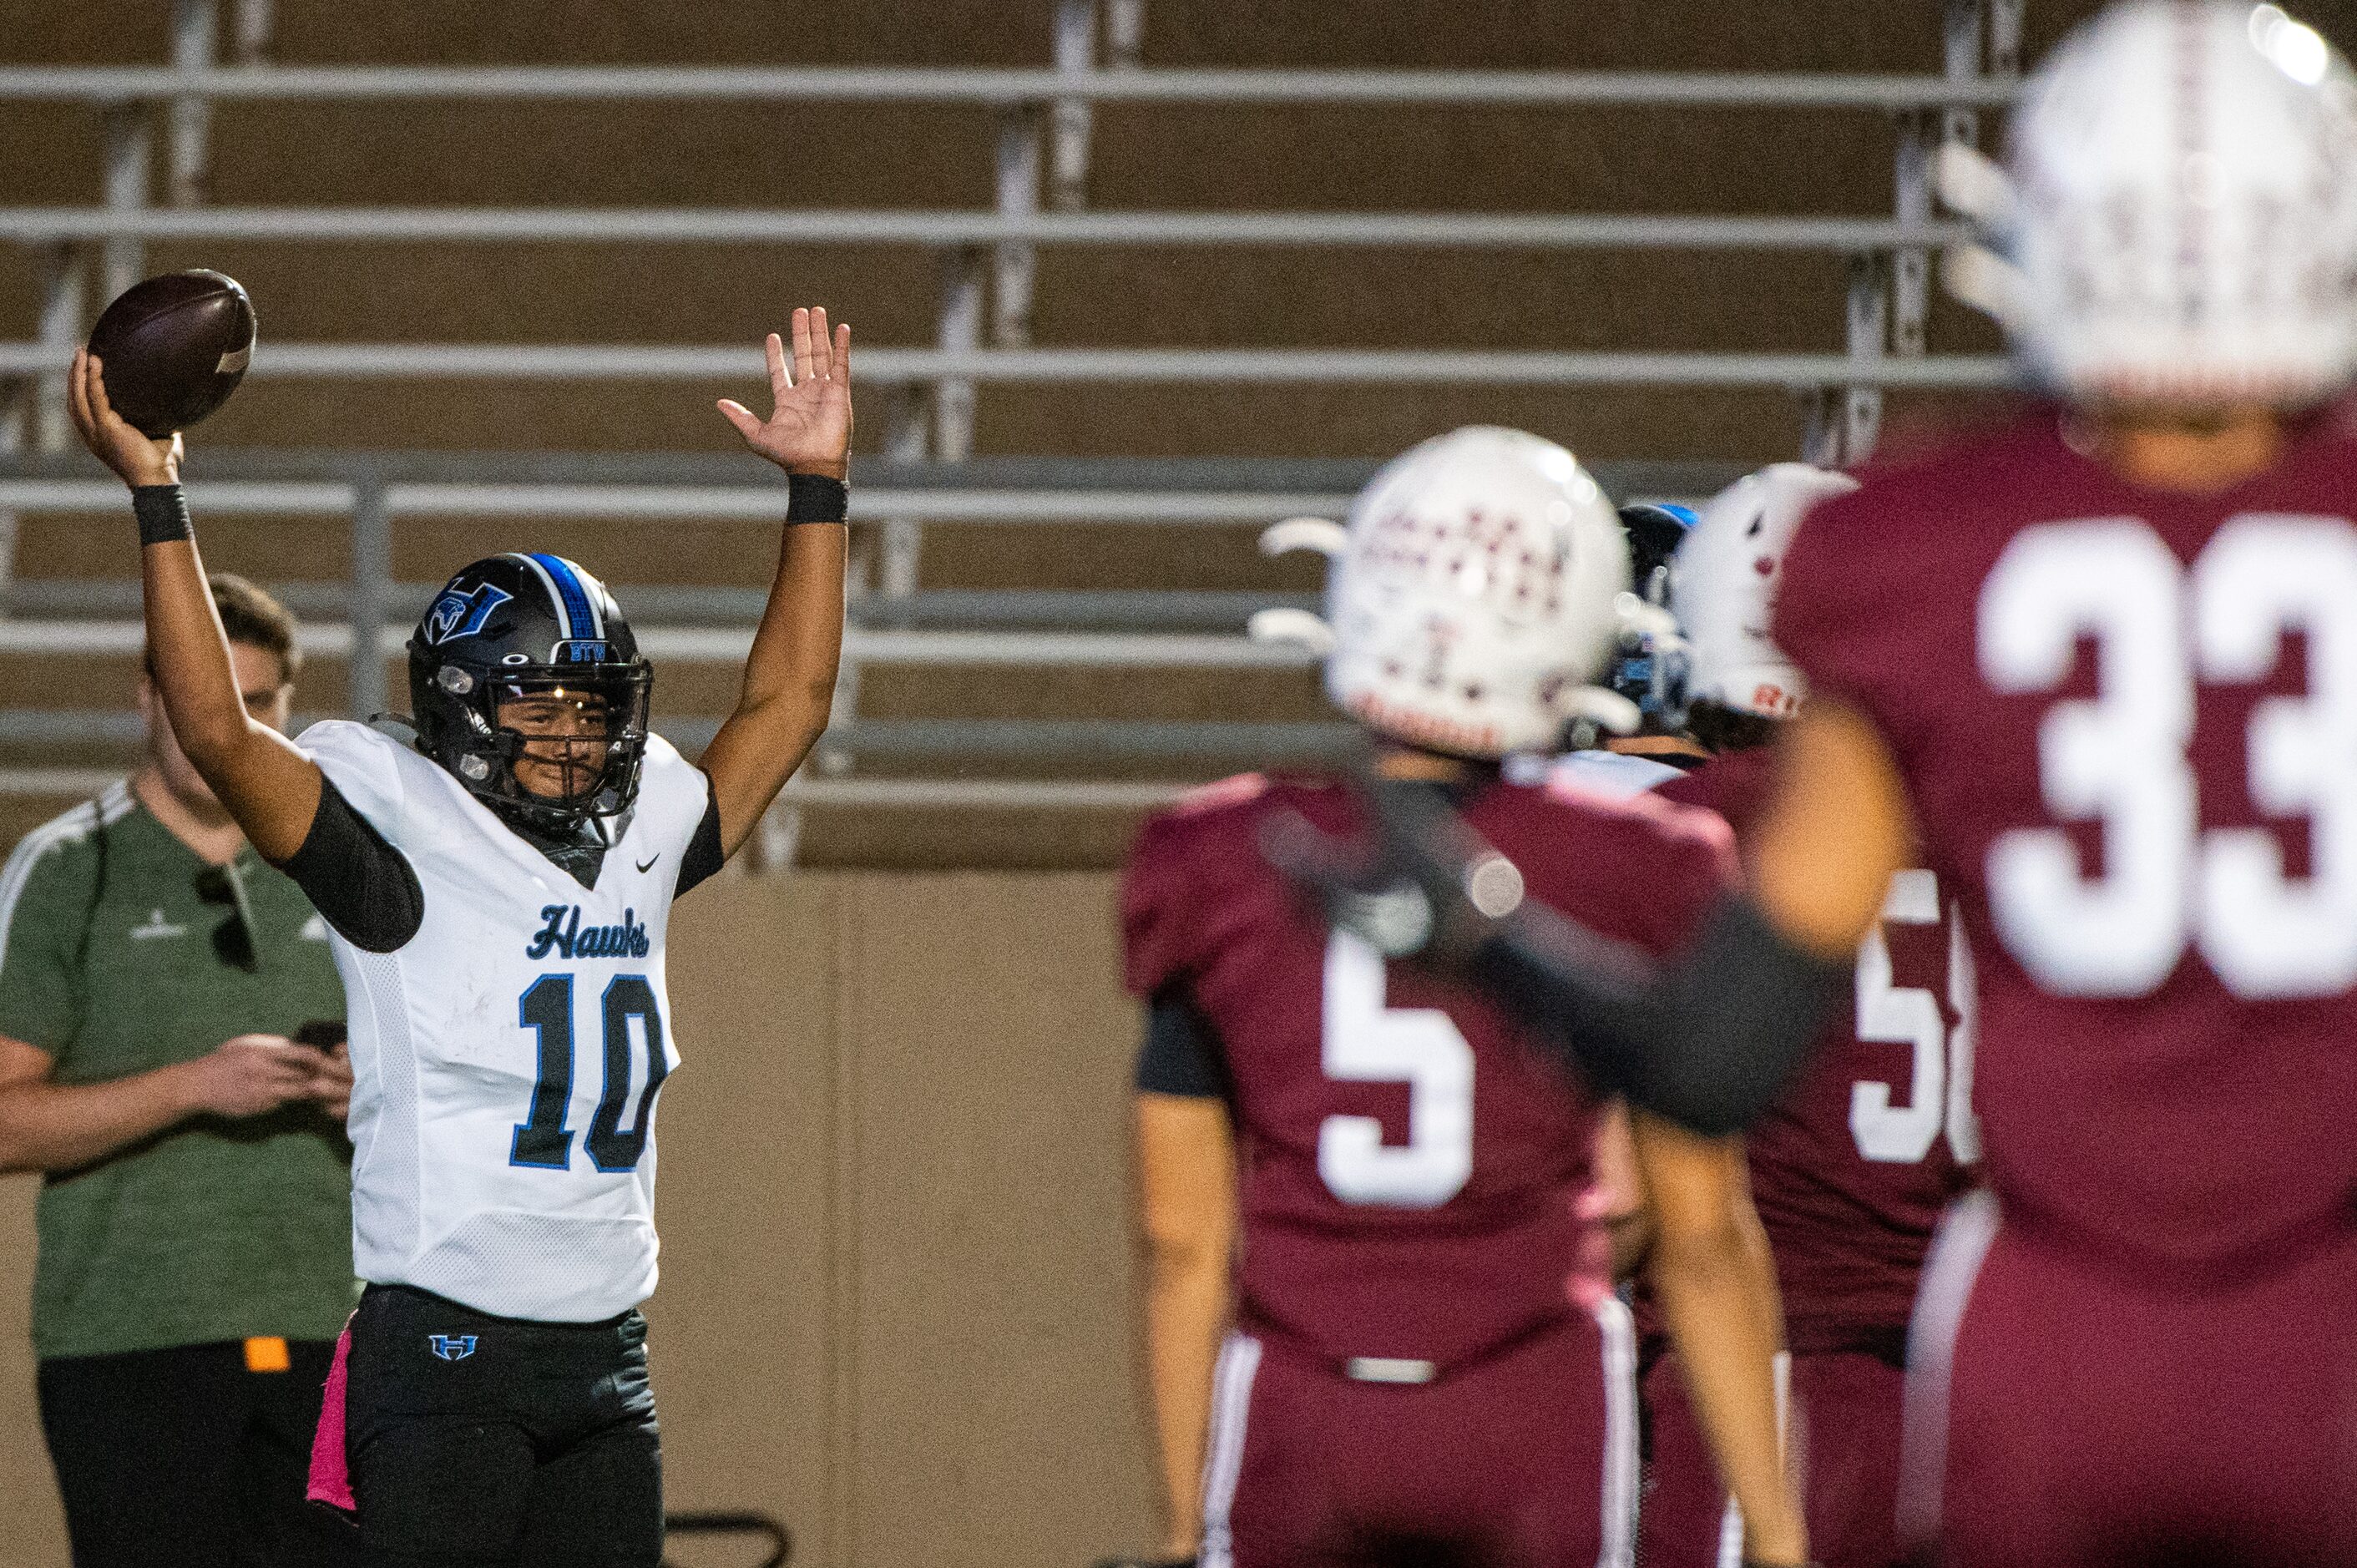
[[233, 938]]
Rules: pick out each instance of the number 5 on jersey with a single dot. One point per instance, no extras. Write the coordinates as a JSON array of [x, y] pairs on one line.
[[1366, 1042]]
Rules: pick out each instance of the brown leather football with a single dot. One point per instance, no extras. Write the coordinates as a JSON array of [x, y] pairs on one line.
[[172, 347]]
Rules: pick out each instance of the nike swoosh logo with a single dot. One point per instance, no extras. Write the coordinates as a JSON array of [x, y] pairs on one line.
[[648, 861]]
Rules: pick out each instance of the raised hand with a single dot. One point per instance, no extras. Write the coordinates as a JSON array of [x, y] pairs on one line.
[[138, 459], [809, 427]]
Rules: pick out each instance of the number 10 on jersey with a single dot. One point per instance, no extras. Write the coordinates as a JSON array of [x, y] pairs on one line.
[[541, 1139]]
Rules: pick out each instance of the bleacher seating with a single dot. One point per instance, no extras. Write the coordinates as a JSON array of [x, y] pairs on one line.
[[1086, 712]]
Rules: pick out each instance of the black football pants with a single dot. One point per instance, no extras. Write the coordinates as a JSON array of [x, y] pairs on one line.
[[477, 1440], [183, 1458]]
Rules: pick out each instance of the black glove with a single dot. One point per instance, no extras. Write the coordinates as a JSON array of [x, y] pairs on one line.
[[1425, 885], [1707, 1039]]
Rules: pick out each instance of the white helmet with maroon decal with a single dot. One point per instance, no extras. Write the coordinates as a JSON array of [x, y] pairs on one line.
[[1723, 587], [1479, 589], [2180, 223]]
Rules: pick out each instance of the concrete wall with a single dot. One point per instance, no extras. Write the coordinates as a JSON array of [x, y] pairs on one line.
[[897, 1296]]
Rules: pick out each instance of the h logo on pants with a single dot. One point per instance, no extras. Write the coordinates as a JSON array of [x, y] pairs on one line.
[[452, 1347]]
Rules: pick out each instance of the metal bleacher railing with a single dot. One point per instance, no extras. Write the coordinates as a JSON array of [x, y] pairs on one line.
[[929, 473]]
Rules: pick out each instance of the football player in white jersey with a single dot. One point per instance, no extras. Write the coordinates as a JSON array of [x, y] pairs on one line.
[[499, 890], [1616, 765]]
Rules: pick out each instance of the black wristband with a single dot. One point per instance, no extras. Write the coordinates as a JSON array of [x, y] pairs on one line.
[[163, 513], [815, 497]]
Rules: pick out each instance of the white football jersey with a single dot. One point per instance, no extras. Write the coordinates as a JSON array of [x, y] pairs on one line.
[[506, 1060], [1614, 775]]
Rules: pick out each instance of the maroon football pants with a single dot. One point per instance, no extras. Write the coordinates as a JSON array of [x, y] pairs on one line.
[[2066, 1411], [1842, 1412], [1526, 1459]]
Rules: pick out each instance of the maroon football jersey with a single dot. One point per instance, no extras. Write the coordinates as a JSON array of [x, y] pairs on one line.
[[1853, 1168], [1410, 1166], [2128, 722]]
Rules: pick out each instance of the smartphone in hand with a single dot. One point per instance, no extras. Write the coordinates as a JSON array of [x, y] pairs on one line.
[[326, 1034]]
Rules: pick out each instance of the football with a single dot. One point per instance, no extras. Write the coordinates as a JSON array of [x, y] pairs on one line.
[[172, 347]]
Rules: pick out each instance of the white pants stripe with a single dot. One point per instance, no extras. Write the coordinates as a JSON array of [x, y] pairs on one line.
[[1223, 1454], [1949, 1273], [1621, 1460], [1239, 1365], [1730, 1523]]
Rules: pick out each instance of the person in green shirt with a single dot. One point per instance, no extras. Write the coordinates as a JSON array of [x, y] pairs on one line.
[[171, 1060]]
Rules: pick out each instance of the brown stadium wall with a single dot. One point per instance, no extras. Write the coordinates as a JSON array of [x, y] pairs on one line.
[[897, 1287]]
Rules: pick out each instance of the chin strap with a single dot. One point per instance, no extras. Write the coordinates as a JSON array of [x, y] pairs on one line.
[[578, 848]]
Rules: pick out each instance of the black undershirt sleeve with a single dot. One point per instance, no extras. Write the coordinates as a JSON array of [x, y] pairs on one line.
[[703, 854], [1182, 1053], [361, 884]]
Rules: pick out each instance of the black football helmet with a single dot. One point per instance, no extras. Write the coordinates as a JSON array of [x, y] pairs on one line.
[[1653, 682], [516, 627]]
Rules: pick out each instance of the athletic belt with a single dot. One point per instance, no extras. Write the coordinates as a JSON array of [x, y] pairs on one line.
[[1406, 1371]]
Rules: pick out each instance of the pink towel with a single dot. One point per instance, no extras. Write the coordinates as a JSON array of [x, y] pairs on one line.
[[331, 1477]]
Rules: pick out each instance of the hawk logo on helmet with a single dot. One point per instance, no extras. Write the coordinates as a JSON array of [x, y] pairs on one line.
[[462, 614], [557, 636]]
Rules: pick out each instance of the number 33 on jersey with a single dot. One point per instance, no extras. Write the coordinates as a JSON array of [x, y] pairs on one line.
[[2126, 722], [2121, 757]]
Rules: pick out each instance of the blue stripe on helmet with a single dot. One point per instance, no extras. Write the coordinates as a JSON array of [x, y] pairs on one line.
[[579, 622]]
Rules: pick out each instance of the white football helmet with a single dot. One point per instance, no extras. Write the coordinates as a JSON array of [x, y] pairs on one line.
[[1479, 587], [1723, 587], [2180, 220]]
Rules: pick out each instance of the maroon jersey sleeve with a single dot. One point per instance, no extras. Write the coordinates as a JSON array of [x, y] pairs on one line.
[[1876, 592], [1171, 883], [1735, 784], [1643, 869], [1833, 616], [1154, 919]]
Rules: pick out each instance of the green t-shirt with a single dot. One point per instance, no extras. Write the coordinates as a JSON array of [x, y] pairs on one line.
[[113, 961]]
